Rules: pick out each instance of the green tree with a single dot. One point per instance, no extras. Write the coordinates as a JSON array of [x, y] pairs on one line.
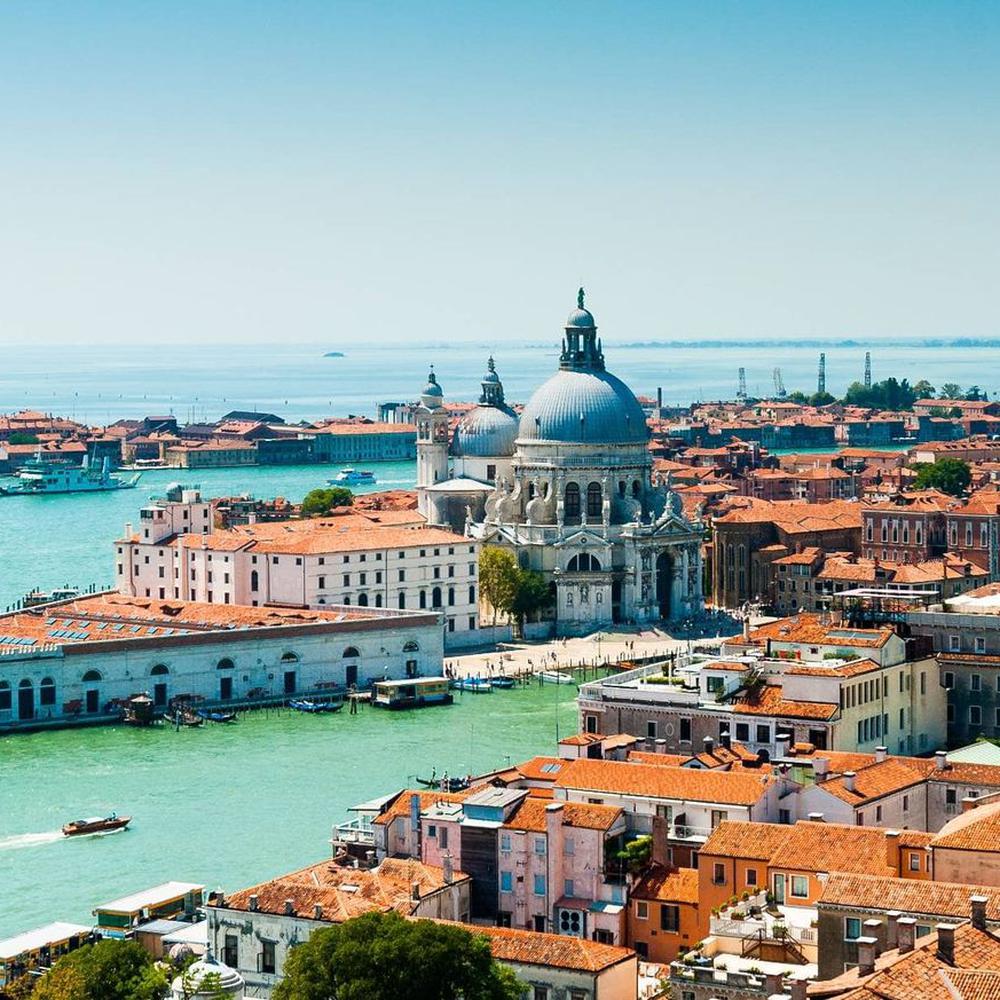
[[498, 572], [322, 501], [821, 399], [950, 475], [950, 390], [531, 595], [108, 970], [383, 956], [22, 437], [924, 390]]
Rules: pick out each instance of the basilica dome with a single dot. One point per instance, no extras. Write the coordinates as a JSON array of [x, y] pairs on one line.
[[582, 403], [489, 430], [585, 407]]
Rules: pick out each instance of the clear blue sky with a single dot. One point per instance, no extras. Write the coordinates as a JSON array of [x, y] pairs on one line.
[[333, 171]]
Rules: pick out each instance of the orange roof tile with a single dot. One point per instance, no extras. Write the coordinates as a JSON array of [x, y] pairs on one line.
[[911, 896], [668, 885], [530, 815], [560, 951]]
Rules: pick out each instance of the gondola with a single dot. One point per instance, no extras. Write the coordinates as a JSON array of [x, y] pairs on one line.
[[504, 683], [209, 716], [314, 707]]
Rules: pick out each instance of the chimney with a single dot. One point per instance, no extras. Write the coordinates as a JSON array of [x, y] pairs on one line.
[[892, 930], [783, 743], [849, 777], [867, 950], [815, 817], [415, 892], [447, 868], [746, 627], [906, 928], [659, 849], [254, 903], [660, 745], [946, 943], [128, 530], [940, 760], [289, 908], [821, 769], [725, 739], [892, 858], [772, 984], [220, 899], [873, 928], [709, 744], [978, 904], [798, 989], [317, 911], [880, 754]]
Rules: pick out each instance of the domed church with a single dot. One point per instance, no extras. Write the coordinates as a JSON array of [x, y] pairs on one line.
[[568, 487]]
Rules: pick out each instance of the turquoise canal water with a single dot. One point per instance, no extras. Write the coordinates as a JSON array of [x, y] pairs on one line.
[[48, 541], [230, 805]]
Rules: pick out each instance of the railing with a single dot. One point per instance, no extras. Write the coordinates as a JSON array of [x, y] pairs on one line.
[[355, 831]]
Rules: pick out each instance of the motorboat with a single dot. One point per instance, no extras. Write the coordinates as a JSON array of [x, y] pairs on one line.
[[352, 477], [96, 824], [478, 685], [504, 683], [555, 677]]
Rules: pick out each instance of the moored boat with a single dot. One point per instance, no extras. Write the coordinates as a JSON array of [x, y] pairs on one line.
[[209, 716], [417, 692], [96, 824], [505, 683], [478, 685], [314, 707], [444, 783], [40, 476], [555, 677]]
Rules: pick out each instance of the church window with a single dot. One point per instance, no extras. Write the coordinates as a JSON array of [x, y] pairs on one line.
[[622, 488], [594, 500], [572, 501], [636, 488]]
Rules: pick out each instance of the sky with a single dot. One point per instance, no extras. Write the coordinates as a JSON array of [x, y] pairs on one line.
[[183, 173]]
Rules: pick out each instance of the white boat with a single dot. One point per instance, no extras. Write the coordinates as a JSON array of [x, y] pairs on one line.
[[42, 476], [555, 677], [352, 477]]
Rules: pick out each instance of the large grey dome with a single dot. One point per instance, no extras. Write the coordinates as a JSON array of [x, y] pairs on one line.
[[486, 432], [585, 407]]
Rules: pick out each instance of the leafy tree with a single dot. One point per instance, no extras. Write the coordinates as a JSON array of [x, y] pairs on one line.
[[636, 853], [821, 399], [974, 394], [950, 390], [531, 595], [108, 970], [22, 437], [498, 572], [889, 394], [924, 390], [796, 397], [383, 956], [322, 501], [950, 475]]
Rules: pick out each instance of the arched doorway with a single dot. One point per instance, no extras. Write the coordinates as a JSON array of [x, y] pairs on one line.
[[159, 673], [92, 695], [25, 700], [664, 581]]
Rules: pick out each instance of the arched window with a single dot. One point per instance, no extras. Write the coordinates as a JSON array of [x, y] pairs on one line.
[[531, 491], [412, 646], [423, 599], [472, 594], [5, 697], [225, 664], [594, 500], [636, 488], [161, 671], [622, 487], [436, 597], [378, 600], [351, 653], [571, 502], [88, 678], [584, 563], [451, 596], [254, 580], [47, 691], [402, 601], [289, 658], [363, 600]]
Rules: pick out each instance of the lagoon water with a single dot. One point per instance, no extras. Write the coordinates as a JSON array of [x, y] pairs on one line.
[[230, 805]]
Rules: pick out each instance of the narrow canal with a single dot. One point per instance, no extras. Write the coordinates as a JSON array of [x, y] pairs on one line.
[[230, 805]]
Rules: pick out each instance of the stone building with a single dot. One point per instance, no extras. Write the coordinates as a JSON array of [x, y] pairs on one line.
[[568, 488]]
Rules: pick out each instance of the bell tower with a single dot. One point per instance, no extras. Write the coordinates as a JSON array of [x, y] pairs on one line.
[[432, 441]]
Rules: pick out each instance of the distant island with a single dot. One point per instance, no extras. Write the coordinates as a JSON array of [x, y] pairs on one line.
[[334, 354]]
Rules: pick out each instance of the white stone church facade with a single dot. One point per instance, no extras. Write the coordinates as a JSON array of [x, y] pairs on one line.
[[568, 487]]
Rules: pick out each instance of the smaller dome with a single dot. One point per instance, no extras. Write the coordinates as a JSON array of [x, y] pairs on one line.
[[486, 432], [581, 319], [229, 981], [491, 376], [432, 388]]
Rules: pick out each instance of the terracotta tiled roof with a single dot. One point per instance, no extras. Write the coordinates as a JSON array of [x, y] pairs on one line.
[[909, 896], [769, 701], [344, 892], [974, 830], [753, 841], [651, 781], [810, 628], [969, 984], [663, 759], [877, 780], [541, 768], [833, 847], [852, 669], [530, 815], [560, 951], [960, 772], [668, 885], [795, 517], [581, 739], [401, 806]]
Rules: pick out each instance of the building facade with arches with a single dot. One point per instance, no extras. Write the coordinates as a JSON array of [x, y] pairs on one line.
[[568, 487], [77, 661]]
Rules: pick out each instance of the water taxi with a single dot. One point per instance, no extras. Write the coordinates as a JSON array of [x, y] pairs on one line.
[[96, 824], [416, 692], [352, 477], [555, 677], [40, 476], [478, 685]]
